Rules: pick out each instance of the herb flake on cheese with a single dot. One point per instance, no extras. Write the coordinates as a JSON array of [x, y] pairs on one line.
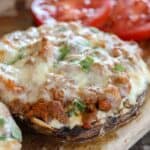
[[119, 68], [77, 108], [64, 50], [87, 63]]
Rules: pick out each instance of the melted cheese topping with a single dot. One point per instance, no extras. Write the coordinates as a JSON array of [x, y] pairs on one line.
[[67, 57]]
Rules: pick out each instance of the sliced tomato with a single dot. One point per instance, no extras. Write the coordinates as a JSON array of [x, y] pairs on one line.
[[130, 19], [89, 12]]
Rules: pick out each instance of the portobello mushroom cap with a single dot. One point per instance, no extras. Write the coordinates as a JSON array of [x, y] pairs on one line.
[[71, 81]]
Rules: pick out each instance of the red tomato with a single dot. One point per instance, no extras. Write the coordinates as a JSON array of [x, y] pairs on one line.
[[130, 19], [89, 12]]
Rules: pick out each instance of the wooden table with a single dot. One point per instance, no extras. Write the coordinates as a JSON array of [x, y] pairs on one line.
[[121, 139], [20, 22]]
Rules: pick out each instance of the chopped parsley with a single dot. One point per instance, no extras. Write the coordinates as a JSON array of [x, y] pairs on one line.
[[119, 67], [64, 50], [77, 107], [2, 122], [86, 63]]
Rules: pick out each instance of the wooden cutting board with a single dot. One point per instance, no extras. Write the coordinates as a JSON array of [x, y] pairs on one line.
[[121, 139]]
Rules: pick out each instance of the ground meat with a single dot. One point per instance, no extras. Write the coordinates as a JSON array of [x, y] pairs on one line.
[[91, 107], [45, 50], [89, 96], [88, 119], [104, 105], [112, 94], [57, 111], [57, 94], [41, 109], [103, 100], [19, 108], [116, 52], [11, 85], [123, 83]]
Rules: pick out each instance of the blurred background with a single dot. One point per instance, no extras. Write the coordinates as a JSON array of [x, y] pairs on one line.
[[14, 15]]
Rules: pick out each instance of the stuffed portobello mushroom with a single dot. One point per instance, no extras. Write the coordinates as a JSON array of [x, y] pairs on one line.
[[71, 81], [10, 134]]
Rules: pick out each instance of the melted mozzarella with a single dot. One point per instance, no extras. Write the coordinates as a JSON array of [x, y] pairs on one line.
[[39, 73], [138, 81], [74, 121], [56, 124]]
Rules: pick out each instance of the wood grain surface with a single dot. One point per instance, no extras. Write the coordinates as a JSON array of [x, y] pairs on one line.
[[121, 139]]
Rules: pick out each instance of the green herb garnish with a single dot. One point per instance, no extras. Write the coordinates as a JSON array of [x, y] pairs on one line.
[[2, 138], [77, 107], [64, 50], [2, 122], [86, 63], [119, 68], [16, 133], [80, 105]]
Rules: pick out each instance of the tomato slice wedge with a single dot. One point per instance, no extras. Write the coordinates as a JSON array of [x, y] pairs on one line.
[[89, 12], [129, 19]]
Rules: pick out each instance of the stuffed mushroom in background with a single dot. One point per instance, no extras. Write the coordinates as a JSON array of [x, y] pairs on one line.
[[10, 134]]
